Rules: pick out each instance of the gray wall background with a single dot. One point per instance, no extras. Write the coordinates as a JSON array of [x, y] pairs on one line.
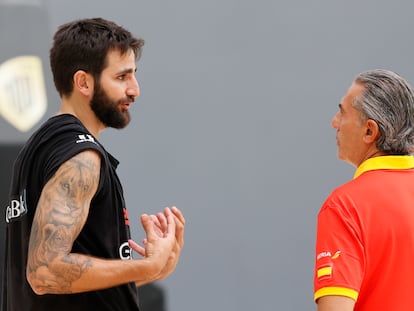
[[233, 127]]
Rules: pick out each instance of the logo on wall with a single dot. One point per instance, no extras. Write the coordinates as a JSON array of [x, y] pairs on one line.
[[23, 99]]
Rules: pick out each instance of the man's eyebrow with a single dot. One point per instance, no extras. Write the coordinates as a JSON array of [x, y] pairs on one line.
[[127, 70]]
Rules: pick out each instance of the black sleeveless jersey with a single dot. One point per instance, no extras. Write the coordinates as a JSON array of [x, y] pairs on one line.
[[105, 233]]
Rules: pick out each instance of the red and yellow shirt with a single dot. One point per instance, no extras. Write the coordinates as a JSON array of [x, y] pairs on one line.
[[365, 237]]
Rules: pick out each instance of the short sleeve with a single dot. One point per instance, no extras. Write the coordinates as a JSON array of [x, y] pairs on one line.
[[339, 262]]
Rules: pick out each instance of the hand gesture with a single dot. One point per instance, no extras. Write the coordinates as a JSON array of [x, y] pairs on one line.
[[159, 227]]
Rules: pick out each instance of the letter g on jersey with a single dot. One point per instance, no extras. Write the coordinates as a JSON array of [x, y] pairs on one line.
[[125, 251]]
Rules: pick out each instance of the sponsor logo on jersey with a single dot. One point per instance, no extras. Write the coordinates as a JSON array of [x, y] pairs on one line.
[[125, 252], [17, 207], [85, 138], [126, 216], [325, 264], [323, 254]]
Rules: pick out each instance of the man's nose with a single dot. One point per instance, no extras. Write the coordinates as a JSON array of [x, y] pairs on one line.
[[133, 89], [334, 121]]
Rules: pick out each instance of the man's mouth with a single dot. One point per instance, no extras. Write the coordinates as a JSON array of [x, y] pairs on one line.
[[125, 106]]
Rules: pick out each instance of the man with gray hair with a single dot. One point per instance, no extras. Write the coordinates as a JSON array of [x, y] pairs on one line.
[[365, 230]]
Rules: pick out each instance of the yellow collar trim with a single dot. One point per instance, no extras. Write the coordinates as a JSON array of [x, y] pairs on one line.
[[385, 162]]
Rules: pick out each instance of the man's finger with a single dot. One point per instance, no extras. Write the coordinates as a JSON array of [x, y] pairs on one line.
[[136, 247]]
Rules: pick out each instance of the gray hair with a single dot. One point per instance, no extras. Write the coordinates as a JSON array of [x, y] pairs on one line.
[[388, 99]]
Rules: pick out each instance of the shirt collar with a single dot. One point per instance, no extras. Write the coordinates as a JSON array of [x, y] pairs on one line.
[[393, 162]]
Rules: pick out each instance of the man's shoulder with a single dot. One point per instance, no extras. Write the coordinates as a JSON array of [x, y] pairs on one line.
[[64, 129], [57, 140], [342, 195]]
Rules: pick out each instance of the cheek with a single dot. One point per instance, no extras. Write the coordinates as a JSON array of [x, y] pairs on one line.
[[344, 132]]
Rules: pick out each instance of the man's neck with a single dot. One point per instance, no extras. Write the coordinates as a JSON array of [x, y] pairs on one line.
[[82, 111]]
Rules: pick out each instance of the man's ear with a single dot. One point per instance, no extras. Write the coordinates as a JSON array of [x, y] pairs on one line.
[[83, 82], [372, 131]]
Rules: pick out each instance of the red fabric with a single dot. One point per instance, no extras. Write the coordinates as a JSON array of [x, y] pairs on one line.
[[369, 224]]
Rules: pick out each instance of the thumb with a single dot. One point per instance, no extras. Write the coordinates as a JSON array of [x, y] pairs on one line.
[[138, 248]]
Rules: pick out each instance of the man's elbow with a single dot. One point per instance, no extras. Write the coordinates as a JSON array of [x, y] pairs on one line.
[[36, 284]]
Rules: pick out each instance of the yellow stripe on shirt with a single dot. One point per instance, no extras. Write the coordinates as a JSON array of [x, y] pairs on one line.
[[336, 291]]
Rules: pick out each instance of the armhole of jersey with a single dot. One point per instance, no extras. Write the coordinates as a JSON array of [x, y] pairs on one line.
[[102, 174]]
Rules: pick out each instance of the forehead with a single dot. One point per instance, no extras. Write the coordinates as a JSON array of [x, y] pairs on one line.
[[116, 61], [354, 91]]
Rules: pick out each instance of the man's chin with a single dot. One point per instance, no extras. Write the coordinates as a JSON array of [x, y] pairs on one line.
[[123, 124], [341, 156], [119, 126], [120, 122]]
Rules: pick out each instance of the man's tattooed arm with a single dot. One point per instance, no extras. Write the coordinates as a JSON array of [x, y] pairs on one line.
[[60, 215]]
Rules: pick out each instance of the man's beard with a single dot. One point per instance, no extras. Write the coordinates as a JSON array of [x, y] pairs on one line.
[[108, 111]]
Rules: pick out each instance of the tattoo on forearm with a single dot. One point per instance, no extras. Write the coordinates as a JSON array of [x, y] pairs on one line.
[[60, 216]]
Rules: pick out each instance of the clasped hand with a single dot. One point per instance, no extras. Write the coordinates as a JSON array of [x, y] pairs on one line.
[[164, 240]]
